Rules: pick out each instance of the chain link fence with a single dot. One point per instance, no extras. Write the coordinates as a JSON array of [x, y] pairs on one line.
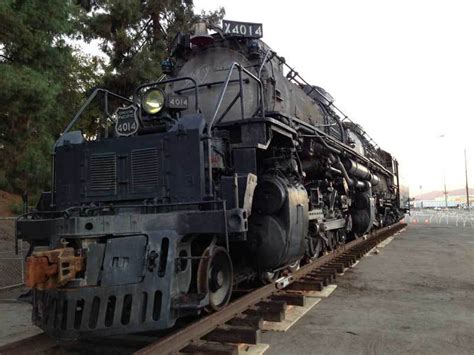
[[12, 270]]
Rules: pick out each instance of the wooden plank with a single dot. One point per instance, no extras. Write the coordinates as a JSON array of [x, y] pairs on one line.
[[306, 286], [291, 299], [273, 305], [249, 349], [234, 334], [267, 314], [326, 292], [384, 243], [209, 347], [293, 314], [355, 264], [324, 280], [253, 321]]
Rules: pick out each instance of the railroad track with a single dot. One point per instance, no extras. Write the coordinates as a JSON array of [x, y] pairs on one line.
[[225, 331]]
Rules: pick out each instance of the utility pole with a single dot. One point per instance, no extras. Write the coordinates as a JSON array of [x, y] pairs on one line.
[[444, 178], [467, 184], [445, 193], [421, 199]]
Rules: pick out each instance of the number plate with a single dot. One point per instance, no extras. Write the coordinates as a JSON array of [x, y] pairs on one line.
[[127, 121], [177, 102], [242, 29]]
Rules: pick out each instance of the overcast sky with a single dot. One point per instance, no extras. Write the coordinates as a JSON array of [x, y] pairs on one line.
[[404, 70]]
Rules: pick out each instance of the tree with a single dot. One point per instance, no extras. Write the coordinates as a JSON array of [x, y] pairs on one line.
[[40, 85], [135, 36], [44, 75]]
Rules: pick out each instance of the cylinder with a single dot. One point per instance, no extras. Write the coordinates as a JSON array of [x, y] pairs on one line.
[[375, 180], [356, 169]]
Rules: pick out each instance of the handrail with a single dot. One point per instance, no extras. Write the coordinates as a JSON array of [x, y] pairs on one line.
[[74, 121], [87, 103], [218, 105], [293, 75], [208, 85], [224, 89]]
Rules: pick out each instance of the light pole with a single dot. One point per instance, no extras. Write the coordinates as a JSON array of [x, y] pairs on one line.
[[444, 178], [421, 198], [467, 184], [445, 192]]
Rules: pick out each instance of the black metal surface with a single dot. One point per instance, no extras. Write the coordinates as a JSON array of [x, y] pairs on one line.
[[164, 166], [251, 164]]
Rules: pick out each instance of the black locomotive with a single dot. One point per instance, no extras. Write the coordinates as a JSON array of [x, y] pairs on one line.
[[229, 169]]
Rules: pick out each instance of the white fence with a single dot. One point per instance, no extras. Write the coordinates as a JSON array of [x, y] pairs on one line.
[[12, 264], [458, 218]]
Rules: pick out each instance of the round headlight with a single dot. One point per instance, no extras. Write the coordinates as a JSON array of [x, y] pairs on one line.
[[153, 101]]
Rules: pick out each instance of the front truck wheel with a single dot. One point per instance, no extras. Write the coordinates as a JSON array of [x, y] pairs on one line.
[[215, 277]]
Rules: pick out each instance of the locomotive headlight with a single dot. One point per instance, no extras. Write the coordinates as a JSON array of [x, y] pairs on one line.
[[153, 101]]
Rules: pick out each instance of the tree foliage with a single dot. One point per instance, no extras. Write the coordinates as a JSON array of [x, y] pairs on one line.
[[38, 85], [135, 36], [44, 74]]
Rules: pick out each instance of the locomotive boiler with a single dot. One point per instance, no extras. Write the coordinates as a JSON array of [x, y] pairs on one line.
[[229, 169]]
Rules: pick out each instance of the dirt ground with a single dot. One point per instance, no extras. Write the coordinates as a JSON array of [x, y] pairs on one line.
[[415, 297], [7, 226], [6, 200], [7, 230]]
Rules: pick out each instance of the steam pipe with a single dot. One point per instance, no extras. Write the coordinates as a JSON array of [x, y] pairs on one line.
[[350, 182]]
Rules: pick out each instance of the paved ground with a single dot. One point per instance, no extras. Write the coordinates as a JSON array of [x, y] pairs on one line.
[[15, 322], [416, 296]]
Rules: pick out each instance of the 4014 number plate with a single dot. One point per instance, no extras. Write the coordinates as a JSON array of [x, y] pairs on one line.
[[242, 29], [177, 102], [127, 121]]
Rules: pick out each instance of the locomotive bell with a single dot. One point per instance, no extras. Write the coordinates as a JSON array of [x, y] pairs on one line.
[[201, 37]]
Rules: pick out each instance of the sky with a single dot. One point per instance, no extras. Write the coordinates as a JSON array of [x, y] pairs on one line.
[[404, 70]]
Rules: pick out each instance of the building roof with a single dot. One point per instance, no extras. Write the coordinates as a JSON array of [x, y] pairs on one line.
[[440, 194]]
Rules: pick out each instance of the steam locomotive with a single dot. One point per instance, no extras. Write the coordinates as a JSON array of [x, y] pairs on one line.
[[230, 169]]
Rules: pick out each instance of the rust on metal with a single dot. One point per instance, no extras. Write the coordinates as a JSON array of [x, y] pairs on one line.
[[52, 268]]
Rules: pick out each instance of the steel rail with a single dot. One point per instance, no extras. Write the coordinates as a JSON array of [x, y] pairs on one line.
[[177, 341]]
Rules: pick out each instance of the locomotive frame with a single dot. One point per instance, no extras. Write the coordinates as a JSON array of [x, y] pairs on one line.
[[257, 175]]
